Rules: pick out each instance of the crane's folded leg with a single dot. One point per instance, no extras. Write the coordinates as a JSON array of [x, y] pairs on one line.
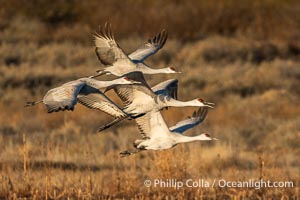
[[105, 126], [32, 103], [117, 120], [128, 152]]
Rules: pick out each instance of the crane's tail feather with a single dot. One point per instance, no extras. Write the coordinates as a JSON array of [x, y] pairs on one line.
[[32, 103], [105, 126]]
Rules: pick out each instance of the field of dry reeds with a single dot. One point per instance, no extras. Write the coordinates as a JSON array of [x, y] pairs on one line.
[[242, 55]]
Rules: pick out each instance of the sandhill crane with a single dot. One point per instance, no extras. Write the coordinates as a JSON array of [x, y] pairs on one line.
[[140, 99], [86, 91], [157, 136], [118, 63], [96, 100]]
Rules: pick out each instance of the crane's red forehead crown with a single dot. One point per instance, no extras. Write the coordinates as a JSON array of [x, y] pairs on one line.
[[172, 68], [200, 100], [207, 135]]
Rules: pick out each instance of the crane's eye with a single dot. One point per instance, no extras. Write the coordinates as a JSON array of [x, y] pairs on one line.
[[127, 79], [207, 135]]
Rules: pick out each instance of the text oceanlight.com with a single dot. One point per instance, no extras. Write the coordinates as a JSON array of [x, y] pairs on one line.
[[192, 183]]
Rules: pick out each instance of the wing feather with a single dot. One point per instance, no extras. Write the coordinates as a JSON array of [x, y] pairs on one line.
[[150, 48], [168, 88], [133, 93], [95, 99], [190, 122], [107, 50], [63, 97], [152, 125], [129, 93]]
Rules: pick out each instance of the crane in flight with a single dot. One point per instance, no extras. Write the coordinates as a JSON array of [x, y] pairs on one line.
[[86, 91], [117, 62], [156, 135], [139, 99]]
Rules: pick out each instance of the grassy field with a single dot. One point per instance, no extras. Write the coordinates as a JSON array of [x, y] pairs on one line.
[[253, 81]]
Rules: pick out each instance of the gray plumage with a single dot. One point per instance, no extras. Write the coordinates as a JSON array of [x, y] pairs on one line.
[[116, 61]]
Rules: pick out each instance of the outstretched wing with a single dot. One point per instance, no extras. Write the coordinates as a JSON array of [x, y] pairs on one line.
[[134, 92], [107, 50], [152, 125], [167, 88], [190, 122], [151, 47], [63, 97], [95, 99]]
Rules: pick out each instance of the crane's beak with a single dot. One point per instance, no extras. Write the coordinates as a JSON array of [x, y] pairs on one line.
[[135, 82], [94, 76], [209, 106]]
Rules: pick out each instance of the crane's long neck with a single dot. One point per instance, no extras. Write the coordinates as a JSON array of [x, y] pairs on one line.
[[167, 101], [103, 84], [156, 71], [183, 138], [147, 70]]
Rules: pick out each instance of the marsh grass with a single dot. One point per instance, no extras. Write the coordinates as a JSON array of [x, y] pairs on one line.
[[58, 155]]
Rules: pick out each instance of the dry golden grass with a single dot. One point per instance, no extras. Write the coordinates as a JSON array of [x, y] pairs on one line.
[[64, 158], [255, 85]]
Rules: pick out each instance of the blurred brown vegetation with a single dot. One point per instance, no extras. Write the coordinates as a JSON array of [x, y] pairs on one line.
[[186, 20], [242, 55]]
